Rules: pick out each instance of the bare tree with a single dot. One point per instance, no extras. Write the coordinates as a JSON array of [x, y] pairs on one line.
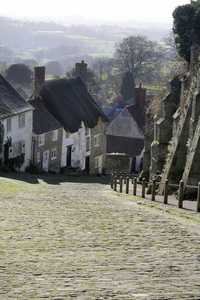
[[102, 66], [139, 55], [177, 64]]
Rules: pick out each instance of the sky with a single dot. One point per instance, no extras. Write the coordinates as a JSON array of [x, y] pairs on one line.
[[159, 11]]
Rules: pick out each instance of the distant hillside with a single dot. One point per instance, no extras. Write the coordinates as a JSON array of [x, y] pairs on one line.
[[47, 41]]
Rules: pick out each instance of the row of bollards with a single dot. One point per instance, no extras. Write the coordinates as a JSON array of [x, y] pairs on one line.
[[126, 180]]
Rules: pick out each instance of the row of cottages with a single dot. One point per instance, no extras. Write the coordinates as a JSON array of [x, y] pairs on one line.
[[60, 126]]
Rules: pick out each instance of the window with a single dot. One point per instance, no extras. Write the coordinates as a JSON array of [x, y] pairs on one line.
[[8, 125], [55, 135], [21, 120], [96, 140], [17, 149], [41, 140], [96, 162], [53, 153], [38, 157]]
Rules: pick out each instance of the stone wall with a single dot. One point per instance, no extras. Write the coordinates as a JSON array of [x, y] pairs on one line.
[[117, 162]]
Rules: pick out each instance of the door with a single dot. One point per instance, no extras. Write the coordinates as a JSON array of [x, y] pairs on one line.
[[69, 156], [45, 163], [87, 164]]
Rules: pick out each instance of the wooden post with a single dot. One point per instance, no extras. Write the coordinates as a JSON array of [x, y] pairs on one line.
[[134, 186], [121, 184], [143, 187], [166, 191], [125, 178], [198, 198], [111, 182], [180, 194], [132, 176], [153, 194], [127, 185], [115, 183]]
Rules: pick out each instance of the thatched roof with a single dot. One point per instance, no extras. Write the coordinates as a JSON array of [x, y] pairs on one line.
[[43, 121], [11, 102], [69, 102]]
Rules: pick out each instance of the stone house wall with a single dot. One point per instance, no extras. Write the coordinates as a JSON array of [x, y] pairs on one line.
[[45, 144], [98, 148]]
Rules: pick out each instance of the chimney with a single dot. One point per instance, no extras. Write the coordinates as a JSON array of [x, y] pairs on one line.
[[81, 70], [39, 80], [140, 96]]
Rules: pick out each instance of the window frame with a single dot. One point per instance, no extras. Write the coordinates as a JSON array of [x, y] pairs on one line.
[[21, 120], [53, 153], [41, 140], [9, 125]]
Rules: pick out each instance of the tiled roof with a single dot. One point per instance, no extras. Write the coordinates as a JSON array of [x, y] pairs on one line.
[[11, 102]]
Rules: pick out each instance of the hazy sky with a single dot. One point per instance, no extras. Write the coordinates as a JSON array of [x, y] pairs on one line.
[[112, 10]]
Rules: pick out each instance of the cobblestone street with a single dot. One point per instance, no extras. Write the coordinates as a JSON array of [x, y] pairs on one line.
[[82, 240]]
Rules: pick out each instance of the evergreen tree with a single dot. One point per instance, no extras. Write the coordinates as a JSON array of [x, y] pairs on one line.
[[127, 86], [186, 27], [19, 73]]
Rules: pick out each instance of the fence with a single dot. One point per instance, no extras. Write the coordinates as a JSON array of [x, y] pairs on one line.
[[118, 182]]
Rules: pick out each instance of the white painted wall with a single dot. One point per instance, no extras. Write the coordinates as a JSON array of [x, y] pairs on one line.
[[21, 134], [78, 142]]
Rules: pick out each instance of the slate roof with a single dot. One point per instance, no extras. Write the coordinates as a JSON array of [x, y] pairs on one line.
[[117, 108], [138, 114], [127, 145], [43, 121], [125, 134], [11, 102], [69, 102]]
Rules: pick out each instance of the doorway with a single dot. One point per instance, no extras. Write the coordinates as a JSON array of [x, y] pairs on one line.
[[69, 156], [45, 163]]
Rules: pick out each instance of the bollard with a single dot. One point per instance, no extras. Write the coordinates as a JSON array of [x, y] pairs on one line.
[[111, 181], [115, 183], [127, 185], [166, 191], [180, 194], [153, 195], [143, 187], [134, 186], [121, 184], [198, 198]]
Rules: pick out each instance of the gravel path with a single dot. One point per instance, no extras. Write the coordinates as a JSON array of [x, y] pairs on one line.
[[82, 240]]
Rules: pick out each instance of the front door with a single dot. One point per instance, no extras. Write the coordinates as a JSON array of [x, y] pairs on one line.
[[69, 156], [45, 164]]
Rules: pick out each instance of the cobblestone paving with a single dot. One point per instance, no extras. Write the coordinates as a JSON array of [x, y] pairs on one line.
[[72, 240]]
